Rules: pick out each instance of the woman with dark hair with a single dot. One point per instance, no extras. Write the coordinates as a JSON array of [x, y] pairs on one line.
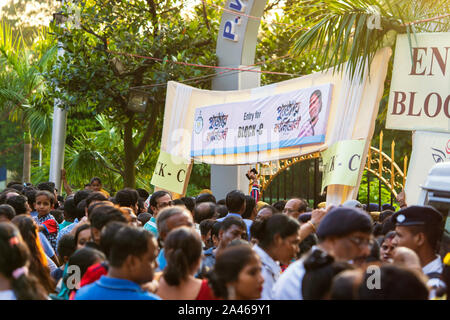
[[15, 281], [183, 252], [82, 236], [278, 241], [96, 185], [237, 274], [38, 260], [320, 270]]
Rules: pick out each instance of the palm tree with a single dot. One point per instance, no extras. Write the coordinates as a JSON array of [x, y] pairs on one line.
[[22, 88], [355, 29]]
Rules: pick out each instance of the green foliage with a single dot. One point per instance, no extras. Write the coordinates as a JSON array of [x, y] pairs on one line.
[[374, 191]]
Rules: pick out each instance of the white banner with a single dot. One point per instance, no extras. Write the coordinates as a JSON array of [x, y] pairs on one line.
[[428, 149], [278, 121]]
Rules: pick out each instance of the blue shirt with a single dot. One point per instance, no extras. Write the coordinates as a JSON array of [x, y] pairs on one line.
[[248, 222], [162, 263], [107, 288], [48, 249], [151, 226]]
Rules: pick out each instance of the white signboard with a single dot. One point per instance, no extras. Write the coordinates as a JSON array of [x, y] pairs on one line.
[[278, 121]]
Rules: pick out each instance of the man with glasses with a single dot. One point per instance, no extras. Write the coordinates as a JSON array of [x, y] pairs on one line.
[[344, 233], [158, 201], [295, 207]]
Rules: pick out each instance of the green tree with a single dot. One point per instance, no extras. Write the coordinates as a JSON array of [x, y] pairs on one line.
[[99, 75], [22, 88]]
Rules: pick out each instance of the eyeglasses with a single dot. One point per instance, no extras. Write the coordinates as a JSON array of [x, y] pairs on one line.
[[164, 204], [360, 242]]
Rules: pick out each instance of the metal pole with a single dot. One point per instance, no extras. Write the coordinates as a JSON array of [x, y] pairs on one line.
[[58, 137]]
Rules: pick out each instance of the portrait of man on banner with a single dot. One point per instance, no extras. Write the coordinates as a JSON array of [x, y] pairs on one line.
[[315, 107]]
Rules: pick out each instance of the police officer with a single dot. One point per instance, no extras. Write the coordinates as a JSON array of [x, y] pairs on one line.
[[420, 228]]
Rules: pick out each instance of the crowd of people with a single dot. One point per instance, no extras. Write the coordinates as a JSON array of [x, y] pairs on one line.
[[132, 245]]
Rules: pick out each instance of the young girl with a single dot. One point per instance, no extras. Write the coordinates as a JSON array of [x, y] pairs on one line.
[[16, 283], [47, 223]]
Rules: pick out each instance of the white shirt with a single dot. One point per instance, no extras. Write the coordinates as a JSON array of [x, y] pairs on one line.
[[7, 295], [289, 285], [434, 266], [270, 271]]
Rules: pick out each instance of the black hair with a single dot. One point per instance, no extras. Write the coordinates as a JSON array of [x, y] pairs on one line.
[[221, 202], [227, 268], [265, 230], [78, 231], [7, 211], [143, 193], [387, 225], [95, 179], [183, 250], [189, 203], [227, 223], [156, 196], [271, 208], [208, 211], [38, 263], [84, 258], [81, 195], [18, 203], [178, 202], [96, 205], [374, 255], [4, 194], [221, 211], [280, 205], [215, 229], [396, 283], [320, 269], [250, 204], [47, 186], [58, 214], [81, 209], [385, 214], [128, 241], [102, 215], [66, 246], [205, 197], [10, 184], [344, 286], [107, 235], [50, 196], [30, 193], [15, 255], [18, 186], [95, 196], [70, 210], [306, 244], [206, 225], [432, 232], [144, 217], [235, 200], [127, 197]]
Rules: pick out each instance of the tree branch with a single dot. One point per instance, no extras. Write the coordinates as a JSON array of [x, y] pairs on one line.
[[151, 126]]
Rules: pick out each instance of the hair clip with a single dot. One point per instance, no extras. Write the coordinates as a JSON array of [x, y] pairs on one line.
[[19, 272], [13, 241]]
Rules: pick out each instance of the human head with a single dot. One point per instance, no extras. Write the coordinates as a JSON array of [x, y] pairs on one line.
[[396, 283], [128, 198], [30, 193], [205, 197], [315, 106], [183, 251], [94, 197], [205, 232], [133, 251], [221, 211], [295, 207], [320, 269], [345, 285], [172, 218], [387, 248], [66, 247], [352, 204], [189, 203], [82, 235], [215, 229], [418, 228], [250, 208], [159, 200], [107, 235], [14, 263], [144, 217], [203, 211], [279, 205], [231, 228], [7, 213], [44, 202], [266, 212], [235, 201], [346, 234], [100, 217], [85, 257], [279, 235], [19, 203], [70, 210], [47, 186], [237, 274], [405, 257], [96, 184], [81, 195]]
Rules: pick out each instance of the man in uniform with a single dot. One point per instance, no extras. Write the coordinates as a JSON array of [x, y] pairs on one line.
[[420, 228]]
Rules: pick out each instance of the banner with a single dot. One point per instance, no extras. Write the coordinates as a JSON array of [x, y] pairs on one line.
[[341, 163], [278, 121], [428, 148], [419, 96], [171, 173]]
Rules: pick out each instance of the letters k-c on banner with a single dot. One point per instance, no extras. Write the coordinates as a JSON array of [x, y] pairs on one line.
[[171, 173], [419, 97]]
